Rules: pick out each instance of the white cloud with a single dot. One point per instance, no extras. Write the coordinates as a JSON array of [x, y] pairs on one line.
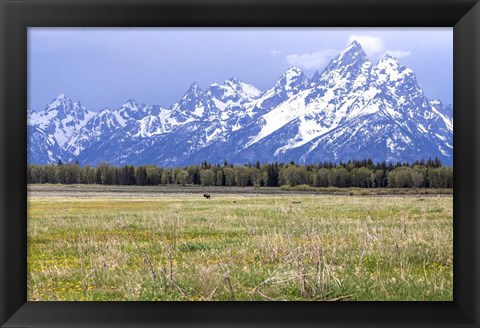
[[372, 45], [311, 60], [398, 53], [275, 52]]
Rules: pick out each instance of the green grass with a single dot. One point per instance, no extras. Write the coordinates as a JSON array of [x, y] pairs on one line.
[[240, 247]]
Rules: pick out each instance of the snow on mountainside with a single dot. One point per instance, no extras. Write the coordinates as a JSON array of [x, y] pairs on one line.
[[349, 103], [353, 109], [42, 148], [62, 118]]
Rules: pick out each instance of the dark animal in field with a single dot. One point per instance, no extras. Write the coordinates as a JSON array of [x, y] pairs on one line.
[[207, 196], [296, 202]]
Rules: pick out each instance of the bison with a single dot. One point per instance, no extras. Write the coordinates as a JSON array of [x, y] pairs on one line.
[[207, 196]]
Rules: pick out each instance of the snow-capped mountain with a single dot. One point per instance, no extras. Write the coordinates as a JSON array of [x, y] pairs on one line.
[[353, 109], [62, 118]]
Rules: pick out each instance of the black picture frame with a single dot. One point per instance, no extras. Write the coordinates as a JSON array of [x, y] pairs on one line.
[[17, 15]]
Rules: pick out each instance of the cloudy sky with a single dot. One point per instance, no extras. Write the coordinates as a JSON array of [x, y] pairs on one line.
[[103, 67]]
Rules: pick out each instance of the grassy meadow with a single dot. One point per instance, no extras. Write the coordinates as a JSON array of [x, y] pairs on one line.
[[100, 243]]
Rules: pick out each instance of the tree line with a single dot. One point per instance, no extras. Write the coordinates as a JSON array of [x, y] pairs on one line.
[[355, 173]]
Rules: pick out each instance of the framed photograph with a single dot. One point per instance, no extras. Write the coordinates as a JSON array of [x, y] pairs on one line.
[[314, 186]]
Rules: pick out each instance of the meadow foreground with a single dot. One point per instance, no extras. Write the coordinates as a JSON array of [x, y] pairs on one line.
[[104, 245]]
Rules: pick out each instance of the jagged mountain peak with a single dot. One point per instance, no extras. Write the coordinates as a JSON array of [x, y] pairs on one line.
[[232, 93], [193, 93], [194, 89], [292, 73], [293, 70], [130, 107], [353, 53], [105, 111], [236, 83], [389, 61], [352, 109], [344, 69], [389, 71], [290, 83], [354, 46], [292, 80], [59, 102], [193, 105], [392, 66], [130, 103], [61, 107], [390, 57], [353, 57], [232, 81], [61, 118]]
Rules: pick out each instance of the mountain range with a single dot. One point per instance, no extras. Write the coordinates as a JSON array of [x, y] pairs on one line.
[[353, 109]]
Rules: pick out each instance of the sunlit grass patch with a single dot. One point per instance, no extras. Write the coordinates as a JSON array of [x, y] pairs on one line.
[[231, 247]]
